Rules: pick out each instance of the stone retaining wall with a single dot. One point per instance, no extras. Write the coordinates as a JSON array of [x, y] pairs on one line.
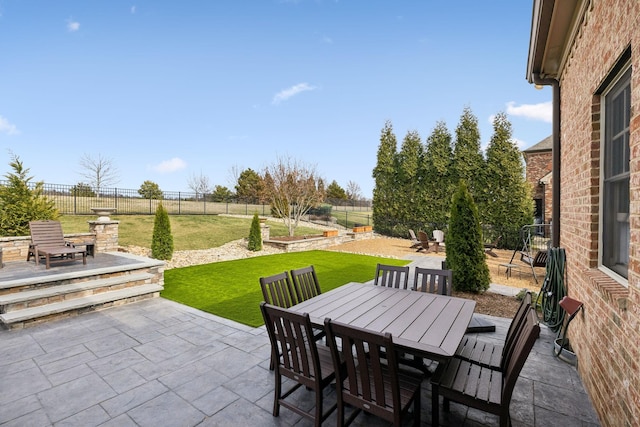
[[318, 242]]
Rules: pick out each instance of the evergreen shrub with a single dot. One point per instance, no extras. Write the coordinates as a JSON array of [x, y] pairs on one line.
[[465, 249], [255, 235], [162, 241]]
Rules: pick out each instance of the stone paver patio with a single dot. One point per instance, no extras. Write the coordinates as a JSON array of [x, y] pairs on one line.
[[157, 362]]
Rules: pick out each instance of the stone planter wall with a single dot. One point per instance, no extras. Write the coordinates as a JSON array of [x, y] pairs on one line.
[[318, 242]]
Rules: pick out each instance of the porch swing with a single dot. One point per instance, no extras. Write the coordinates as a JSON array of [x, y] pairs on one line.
[[535, 246]]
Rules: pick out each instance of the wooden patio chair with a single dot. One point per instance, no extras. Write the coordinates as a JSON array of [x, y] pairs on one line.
[[433, 281], [305, 283], [392, 276], [486, 389], [489, 247], [299, 359], [415, 243], [493, 355], [47, 241], [306, 286], [277, 290], [424, 241], [368, 381]]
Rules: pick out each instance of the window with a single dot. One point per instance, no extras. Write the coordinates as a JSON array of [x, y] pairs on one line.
[[615, 231]]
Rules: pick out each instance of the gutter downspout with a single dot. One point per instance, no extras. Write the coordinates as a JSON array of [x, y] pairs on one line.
[[555, 159]]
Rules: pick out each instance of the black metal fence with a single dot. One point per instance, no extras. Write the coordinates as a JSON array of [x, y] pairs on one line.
[[79, 199]]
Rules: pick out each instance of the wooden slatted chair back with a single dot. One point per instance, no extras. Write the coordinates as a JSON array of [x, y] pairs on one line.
[[305, 283], [392, 276], [46, 233], [515, 328], [521, 348], [433, 281], [277, 290], [370, 379], [298, 358]]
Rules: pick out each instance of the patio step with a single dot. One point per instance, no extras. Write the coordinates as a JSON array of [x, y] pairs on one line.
[[46, 295], [74, 306]]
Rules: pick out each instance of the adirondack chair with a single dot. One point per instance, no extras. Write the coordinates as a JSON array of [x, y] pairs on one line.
[[47, 241], [424, 241], [415, 243]]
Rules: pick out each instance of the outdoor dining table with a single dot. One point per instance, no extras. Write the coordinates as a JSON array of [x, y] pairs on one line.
[[423, 324]]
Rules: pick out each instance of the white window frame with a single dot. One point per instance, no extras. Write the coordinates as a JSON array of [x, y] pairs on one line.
[[613, 250]]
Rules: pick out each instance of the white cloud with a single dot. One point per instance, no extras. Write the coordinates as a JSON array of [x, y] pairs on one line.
[[542, 112], [133, 10], [8, 127], [168, 166], [72, 26], [285, 94]]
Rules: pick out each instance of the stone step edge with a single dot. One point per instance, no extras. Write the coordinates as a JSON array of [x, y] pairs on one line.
[[52, 291], [77, 303]]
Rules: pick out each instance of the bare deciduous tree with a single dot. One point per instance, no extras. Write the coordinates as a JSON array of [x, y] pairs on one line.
[[292, 187], [99, 172], [199, 184], [353, 191]]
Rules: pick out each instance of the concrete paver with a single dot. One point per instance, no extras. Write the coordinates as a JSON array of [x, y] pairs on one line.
[[157, 362]]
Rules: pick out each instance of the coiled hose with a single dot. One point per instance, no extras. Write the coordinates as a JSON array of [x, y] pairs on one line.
[[553, 289]]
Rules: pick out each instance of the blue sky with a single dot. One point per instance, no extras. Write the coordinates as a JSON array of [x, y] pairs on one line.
[[172, 89]]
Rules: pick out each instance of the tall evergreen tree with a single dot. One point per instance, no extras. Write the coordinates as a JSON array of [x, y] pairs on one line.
[[467, 155], [438, 172], [385, 200], [410, 188], [465, 249], [508, 194]]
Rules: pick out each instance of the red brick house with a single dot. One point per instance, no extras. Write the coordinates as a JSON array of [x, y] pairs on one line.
[[588, 51], [538, 172]]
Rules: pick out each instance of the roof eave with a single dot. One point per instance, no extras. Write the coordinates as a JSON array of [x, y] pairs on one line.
[[553, 26]]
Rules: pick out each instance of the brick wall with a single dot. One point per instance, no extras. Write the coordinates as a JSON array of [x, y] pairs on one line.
[[539, 165], [606, 336]]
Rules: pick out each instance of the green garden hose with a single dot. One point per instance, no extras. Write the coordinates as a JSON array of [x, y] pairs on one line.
[[553, 289]]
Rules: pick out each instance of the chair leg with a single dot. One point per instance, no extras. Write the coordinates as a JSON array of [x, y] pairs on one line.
[[318, 419], [277, 394], [435, 406], [416, 410]]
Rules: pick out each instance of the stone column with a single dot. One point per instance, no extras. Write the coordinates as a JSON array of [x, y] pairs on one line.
[[264, 231], [106, 233]]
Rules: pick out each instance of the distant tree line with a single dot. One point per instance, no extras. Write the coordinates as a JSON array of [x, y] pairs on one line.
[[414, 185]]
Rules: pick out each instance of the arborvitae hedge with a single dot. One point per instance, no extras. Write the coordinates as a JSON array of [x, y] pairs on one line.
[[162, 241]]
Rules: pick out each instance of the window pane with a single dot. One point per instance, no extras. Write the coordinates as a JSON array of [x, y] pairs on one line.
[[615, 191]]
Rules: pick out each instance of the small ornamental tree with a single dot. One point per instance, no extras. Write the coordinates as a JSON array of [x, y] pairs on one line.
[[162, 241], [465, 251], [255, 235]]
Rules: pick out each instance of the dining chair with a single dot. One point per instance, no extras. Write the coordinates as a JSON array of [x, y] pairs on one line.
[[305, 283], [366, 381], [306, 286], [490, 355], [392, 276], [277, 290], [479, 387], [433, 281], [299, 359]]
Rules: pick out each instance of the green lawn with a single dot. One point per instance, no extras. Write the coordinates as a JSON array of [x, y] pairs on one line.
[[231, 289], [190, 232]]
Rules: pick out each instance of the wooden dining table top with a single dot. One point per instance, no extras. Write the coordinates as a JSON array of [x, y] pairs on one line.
[[423, 324]]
